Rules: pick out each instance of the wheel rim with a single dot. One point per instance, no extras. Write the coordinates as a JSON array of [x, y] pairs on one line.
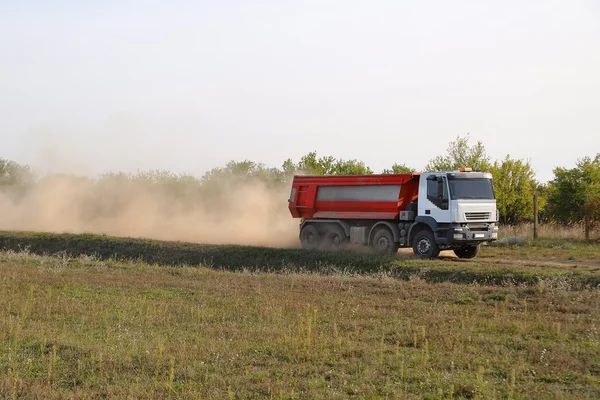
[[310, 238], [382, 243], [336, 240], [424, 246]]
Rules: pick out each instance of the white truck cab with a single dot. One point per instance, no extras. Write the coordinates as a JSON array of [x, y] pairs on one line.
[[459, 210]]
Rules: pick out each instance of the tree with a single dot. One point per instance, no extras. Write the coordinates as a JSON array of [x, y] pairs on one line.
[[542, 190], [310, 164], [12, 173], [244, 170], [514, 185], [569, 189], [314, 165], [399, 169], [289, 168], [592, 209], [460, 154], [350, 167]]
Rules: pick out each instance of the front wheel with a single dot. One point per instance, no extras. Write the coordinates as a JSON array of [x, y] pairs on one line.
[[468, 251], [424, 245]]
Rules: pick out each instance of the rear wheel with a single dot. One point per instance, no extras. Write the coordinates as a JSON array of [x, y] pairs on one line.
[[383, 242], [309, 237], [424, 245], [468, 251], [334, 239]]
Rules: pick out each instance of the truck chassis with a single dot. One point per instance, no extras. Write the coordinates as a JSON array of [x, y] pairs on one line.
[[386, 237]]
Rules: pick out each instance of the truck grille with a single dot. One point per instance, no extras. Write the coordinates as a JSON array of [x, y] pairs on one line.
[[477, 216]]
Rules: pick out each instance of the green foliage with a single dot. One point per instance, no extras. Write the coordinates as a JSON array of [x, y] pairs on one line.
[[464, 300], [216, 185], [15, 179], [351, 167], [514, 181], [12, 173], [243, 171], [460, 154], [569, 189], [592, 210], [160, 182], [499, 297], [289, 168], [514, 184], [399, 169], [543, 191], [314, 165], [317, 166]]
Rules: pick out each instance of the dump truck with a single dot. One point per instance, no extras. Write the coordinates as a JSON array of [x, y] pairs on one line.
[[430, 212]]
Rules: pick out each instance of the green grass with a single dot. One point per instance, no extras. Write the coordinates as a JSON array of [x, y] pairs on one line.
[[86, 328], [548, 249], [496, 266]]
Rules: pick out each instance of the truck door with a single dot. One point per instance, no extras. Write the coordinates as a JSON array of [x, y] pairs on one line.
[[434, 200]]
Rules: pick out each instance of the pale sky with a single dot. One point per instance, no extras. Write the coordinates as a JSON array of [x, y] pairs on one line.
[[91, 86]]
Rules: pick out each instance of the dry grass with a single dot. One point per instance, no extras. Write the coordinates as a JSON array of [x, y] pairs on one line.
[[81, 328], [548, 231]]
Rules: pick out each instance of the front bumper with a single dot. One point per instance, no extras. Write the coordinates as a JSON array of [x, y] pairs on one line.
[[466, 234]]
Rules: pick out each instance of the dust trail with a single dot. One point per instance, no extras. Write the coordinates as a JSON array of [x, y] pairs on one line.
[[236, 211]]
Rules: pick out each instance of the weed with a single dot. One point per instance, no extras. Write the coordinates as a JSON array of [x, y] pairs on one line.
[[499, 297], [464, 300]]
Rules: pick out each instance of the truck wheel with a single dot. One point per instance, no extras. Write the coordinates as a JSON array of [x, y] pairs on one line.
[[383, 242], [309, 237], [468, 251], [335, 239], [424, 245]]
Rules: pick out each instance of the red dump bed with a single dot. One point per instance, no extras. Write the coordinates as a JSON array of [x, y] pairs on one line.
[[352, 197]]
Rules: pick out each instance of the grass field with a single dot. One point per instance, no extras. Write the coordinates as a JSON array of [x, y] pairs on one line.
[[87, 322], [575, 262]]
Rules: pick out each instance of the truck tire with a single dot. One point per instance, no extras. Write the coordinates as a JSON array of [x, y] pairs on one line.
[[424, 245], [468, 251], [383, 242], [334, 239], [309, 237]]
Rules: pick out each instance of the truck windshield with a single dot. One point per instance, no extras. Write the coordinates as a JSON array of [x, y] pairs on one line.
[[471, 188]]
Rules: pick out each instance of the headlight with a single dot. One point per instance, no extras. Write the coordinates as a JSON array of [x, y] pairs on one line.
[[459, 236]]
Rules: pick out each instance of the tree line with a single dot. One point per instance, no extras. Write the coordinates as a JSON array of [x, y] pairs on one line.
[[571, 195]]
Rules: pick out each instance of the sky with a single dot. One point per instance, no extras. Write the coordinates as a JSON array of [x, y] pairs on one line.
[[186, 86]]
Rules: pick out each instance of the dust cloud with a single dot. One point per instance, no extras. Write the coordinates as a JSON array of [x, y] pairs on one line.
[[240, 211]]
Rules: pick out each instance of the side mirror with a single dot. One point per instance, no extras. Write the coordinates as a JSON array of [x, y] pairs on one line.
[[440, 188]]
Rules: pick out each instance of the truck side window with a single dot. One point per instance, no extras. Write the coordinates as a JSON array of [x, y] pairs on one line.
[[446, 194], [433, 195]]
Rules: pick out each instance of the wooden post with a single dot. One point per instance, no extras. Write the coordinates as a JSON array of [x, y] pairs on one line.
[[586, 219], [535, 216]]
